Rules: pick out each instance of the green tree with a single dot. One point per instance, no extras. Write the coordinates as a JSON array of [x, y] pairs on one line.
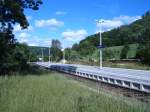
[[146, 14], [144, 47], [21, 56], [56, 50], [11, 13], [124, 52], [7, 44], [71, 55]]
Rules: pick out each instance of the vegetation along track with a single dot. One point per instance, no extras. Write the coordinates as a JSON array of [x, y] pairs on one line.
[[113, 89]]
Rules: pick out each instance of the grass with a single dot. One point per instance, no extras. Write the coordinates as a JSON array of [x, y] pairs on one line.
[[121, 64], [114, 52], [128, 65], [55, 93]]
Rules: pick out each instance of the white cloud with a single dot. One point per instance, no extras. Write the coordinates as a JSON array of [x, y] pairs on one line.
[[17, 28], [39, 42], [71, 35], [33, 44], [108, 25], [29, 18], [61, 13], [127, 19], [23, 40], [24, 35], [34, 40], [53, 23], [115, 22]]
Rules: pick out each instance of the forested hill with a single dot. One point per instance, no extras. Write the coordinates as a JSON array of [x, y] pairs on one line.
[[125, 42], [37, 51], [127, 34]]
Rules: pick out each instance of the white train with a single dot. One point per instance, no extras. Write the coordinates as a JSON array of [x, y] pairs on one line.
[[128, 78], [90, 73]]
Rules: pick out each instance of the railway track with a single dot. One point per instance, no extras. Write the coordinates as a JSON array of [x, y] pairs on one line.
[[108, 88], [131, 83]]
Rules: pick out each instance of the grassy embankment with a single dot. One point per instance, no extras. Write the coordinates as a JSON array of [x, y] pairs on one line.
[[55, 93], [114, 53]]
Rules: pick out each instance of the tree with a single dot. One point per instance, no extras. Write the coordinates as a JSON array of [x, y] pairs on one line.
[[146, 14], [11, 13], [75, 47], [21, 56], [144, 48], [71, 55], [124, 52], [56, 50], [7, 46], [56, 44]]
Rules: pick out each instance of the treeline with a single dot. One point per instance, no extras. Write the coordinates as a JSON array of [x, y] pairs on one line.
[[134, 33], [13, 56], [15, 59], [54, 51]]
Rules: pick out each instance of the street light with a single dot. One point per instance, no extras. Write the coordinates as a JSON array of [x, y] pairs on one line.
[[42, 48], [49, 54], [100, 42], [42, 54], [63, 50]]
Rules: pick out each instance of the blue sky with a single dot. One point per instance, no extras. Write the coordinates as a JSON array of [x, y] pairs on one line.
[[73, 20]]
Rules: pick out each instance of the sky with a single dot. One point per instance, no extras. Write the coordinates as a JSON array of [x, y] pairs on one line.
[[71, 21]]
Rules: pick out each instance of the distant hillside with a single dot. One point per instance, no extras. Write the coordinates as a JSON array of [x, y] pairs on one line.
[[114, 52], [124, 35], [37, 51]]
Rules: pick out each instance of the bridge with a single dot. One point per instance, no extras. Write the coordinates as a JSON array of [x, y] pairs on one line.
[[127, 78]]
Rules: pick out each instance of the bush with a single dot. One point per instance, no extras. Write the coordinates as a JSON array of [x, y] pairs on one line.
[[144, 48], [124, 52]]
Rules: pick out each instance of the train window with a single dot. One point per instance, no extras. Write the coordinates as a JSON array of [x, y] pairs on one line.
[[95, 76], [100, 77], [87, 75], [126, 83], [111, 80], [136, 86], [146, 87], [119, 82], [105, 79]]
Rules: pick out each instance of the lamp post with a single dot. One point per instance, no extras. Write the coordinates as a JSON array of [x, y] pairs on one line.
[[42, 55], [63, 50], [42, 51], [100, 42], [64, 55], [49, 54]]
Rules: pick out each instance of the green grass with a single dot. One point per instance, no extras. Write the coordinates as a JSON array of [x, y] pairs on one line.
[[128, 65], [114, 52], [55, 93]]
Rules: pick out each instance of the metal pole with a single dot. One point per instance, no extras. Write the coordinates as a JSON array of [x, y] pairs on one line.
[[101, 58], [64, 53], [49, 55], [100, 43], [29, 57], [42, 55]]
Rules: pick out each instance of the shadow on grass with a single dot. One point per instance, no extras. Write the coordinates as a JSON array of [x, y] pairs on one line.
[[35, 70], [29, 69]]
